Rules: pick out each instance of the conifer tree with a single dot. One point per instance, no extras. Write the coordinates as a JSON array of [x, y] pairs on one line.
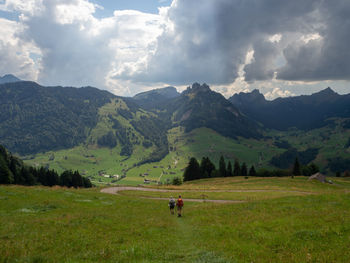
[[77, 180], [87, 182], [27, 176], [42, 178], [52, 178], [313, 168], [236, 169], [192, 171], [296, 168], [252, 171], [6, 177], [66, 178], [244, 170], [206, 168], [222, 167], [229, 169]]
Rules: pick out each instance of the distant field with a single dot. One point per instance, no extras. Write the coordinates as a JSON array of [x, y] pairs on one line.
[[92, 160], [39, 224]]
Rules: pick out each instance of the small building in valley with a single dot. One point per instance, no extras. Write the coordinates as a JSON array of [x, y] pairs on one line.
[[318, 176]]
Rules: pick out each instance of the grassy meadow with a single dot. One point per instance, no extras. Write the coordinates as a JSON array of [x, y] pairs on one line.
[[288, 220]]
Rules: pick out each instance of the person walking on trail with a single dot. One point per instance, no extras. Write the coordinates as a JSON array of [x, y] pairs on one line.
[[179, 205], [172, 205]]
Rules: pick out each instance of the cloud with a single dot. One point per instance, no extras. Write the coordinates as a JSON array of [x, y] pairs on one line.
[[277, 92], [326, 56], [14, 53], [62, 42], [209, 41], [78, 49]]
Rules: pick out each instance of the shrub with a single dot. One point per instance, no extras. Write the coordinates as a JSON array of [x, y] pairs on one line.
[[176, 181]]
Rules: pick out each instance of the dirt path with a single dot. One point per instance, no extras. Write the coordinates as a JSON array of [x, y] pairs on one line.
[[115, 190]]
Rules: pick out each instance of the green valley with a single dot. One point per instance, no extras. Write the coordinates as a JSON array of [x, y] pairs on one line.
[[198, 143]]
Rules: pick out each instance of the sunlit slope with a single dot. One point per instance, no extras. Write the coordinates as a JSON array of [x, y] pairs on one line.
[[92, 160], [277, 225]]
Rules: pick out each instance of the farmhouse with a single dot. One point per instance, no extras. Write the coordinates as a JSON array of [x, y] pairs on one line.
[[318, 176]]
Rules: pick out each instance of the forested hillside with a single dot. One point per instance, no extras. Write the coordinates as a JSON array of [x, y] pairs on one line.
[[14, 171], [35, 119]]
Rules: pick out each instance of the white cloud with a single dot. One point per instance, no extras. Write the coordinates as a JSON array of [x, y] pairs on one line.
[[14, 53], [78, 49], [30, 7], [277, 92], [78, 10]]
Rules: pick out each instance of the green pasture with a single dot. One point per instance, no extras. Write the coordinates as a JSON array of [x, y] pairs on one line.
[[40, 224], [235, 196]]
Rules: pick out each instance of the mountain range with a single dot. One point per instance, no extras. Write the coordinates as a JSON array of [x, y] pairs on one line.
[[302, 112], [149, 127]]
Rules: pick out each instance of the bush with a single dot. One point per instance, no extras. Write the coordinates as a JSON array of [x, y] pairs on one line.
[[176, 181]]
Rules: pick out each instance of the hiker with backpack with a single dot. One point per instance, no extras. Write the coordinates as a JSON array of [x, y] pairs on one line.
[[172, 205], [179, 205]]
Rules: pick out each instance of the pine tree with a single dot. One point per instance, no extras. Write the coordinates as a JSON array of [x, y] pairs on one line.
[[236, 169], [192, 171], [14, 167], [77, 180], [296, 168], [66, 178], [252, 171], [27, 176], [244, 170], [87, 182], [229, 169], [222, 167], [52, 178], [6, 177], [313, 168], [206, 168], [42, 178]]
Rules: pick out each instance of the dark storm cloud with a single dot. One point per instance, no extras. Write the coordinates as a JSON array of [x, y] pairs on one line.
[[211, 39], [327, 58], [192, 40]]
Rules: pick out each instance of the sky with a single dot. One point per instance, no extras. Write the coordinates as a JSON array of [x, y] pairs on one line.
[[282, 48]]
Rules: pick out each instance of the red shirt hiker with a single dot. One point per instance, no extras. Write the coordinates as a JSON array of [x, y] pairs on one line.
[[179, 205]]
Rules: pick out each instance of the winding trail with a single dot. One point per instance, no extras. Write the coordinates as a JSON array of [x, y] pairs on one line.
[[115, 190]]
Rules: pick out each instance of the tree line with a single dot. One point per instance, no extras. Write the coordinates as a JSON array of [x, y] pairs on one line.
[[207, 169], [13, 171]]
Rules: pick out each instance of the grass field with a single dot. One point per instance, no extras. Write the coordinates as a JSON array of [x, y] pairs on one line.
[[39, 224]]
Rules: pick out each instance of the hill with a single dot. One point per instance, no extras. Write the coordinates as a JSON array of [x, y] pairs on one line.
[[304, 112], [35, 119], [9, 78], [199, 106], [156, 98]]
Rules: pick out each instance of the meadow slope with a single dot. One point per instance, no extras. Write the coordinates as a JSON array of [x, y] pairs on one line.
[[39, 224]]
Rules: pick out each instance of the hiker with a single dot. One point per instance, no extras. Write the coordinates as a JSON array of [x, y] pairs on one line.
[[172, 205], [179, 205]]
